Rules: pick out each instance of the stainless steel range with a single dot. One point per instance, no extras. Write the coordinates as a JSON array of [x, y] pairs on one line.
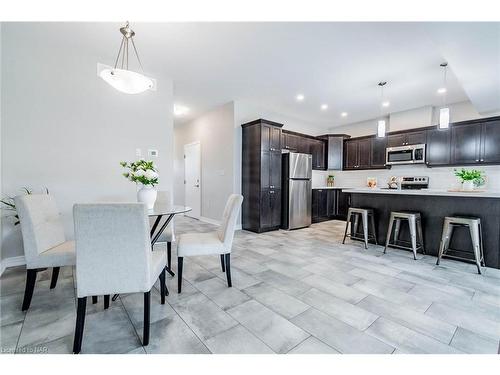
[[415, 182]]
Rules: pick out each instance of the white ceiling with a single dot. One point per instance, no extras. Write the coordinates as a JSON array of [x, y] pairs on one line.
[[338, 64]]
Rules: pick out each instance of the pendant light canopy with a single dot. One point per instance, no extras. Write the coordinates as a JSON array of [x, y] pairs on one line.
[[381, 125], [444, 111], [119, 76]]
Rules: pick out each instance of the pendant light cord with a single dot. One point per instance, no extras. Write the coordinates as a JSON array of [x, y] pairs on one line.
[[123, 51]]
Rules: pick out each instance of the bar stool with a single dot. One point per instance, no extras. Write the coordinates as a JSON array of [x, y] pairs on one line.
[[365, 214], [416, 236], [474, 225]]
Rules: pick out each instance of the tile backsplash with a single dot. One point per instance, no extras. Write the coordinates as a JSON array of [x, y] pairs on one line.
[[439, 178]]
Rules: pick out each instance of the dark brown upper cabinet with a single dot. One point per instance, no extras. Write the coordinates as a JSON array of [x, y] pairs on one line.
[[318, 150], [351, 152], [490, 142], [364, 153], [378, 147], [261, 175], [438, 147], [465, 144], [407, 138]]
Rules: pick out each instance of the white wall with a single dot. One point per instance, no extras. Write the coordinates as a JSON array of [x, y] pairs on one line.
[[214, 131], [66, 129]]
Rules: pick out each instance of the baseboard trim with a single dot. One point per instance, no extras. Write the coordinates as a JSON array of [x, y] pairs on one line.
[[12, 262], [209, 220]]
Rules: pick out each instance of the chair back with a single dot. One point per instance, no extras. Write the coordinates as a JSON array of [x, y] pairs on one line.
[[113, 248], [228, 222], [41, 224]]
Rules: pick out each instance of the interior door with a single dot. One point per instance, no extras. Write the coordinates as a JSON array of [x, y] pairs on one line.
[[192, 179]]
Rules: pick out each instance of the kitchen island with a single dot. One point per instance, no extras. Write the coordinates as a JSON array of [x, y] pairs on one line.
[[434, 205]]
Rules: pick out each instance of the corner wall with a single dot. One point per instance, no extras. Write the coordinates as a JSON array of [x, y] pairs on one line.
[[213, 129], [64, 128]]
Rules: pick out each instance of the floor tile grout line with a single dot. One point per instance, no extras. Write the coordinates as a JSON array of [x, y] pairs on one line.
[[130, 320], [307, 338], [239, 323]]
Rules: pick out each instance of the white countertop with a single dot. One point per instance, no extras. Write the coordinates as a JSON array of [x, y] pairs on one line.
[[330, 187], [478, 194]]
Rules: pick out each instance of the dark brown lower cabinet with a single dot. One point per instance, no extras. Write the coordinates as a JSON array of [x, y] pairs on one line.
[[328, 204], [270, 206]]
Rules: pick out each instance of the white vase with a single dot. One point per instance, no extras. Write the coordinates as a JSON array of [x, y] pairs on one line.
[[468, 185], [147, 194]]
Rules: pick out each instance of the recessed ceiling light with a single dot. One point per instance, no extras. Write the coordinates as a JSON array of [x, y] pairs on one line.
[[441, 90], [324, 107], [386, 104], [343, 114], [180, 110], [300, 97]]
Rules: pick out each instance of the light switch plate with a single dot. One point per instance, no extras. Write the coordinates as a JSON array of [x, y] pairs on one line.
[[153, 153]]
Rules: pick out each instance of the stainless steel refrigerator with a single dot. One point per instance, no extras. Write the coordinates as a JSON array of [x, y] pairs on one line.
[[296, 193]]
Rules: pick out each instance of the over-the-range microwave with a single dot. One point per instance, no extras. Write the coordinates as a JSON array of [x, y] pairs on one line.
[[411, 154]]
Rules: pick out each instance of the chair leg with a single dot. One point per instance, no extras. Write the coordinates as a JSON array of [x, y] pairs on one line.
[[147, 316], [389, 231], [413, 235], [169, 259], [222, 263], [180, 261], [346, 226], [80, 322], [476, 245], [364, 218], [420, 234], [94, 300], [374, 230], [228, 269], [55, 275], [106, 301], [30, 287], [397, 228], [445, 239], [163, 286]]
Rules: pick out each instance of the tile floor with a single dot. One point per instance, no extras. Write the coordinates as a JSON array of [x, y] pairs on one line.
[[293, 292]]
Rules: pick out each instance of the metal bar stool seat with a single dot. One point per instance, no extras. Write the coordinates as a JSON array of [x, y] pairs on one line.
[[414, 220], [365, 214], [474, 225]]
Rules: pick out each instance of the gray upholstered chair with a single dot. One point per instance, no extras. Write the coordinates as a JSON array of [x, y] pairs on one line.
[[168, 234], [113, 255], [218, 242], [43, 237]]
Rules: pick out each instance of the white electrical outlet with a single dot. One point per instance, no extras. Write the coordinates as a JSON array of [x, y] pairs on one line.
[[138, 152], [153, 153]]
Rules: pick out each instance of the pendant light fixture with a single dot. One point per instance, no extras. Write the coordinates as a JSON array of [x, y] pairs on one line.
[[381, 125], [444, 111], [119, 76]]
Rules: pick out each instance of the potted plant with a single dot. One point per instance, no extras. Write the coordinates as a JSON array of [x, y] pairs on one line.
[[470, 178], [143, 172]]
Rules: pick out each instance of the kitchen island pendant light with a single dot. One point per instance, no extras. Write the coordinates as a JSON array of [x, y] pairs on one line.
[[381, 124], [121, 78], [444, 111]]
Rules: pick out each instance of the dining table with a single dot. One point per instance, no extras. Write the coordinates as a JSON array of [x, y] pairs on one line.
[[162, 211]]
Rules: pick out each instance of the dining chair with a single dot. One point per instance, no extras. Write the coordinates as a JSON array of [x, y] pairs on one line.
[[113, 255], [168, 234], [45, 244], [217, 242]]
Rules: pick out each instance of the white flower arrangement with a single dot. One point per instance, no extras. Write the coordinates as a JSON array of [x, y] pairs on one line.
[[141, 171]]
